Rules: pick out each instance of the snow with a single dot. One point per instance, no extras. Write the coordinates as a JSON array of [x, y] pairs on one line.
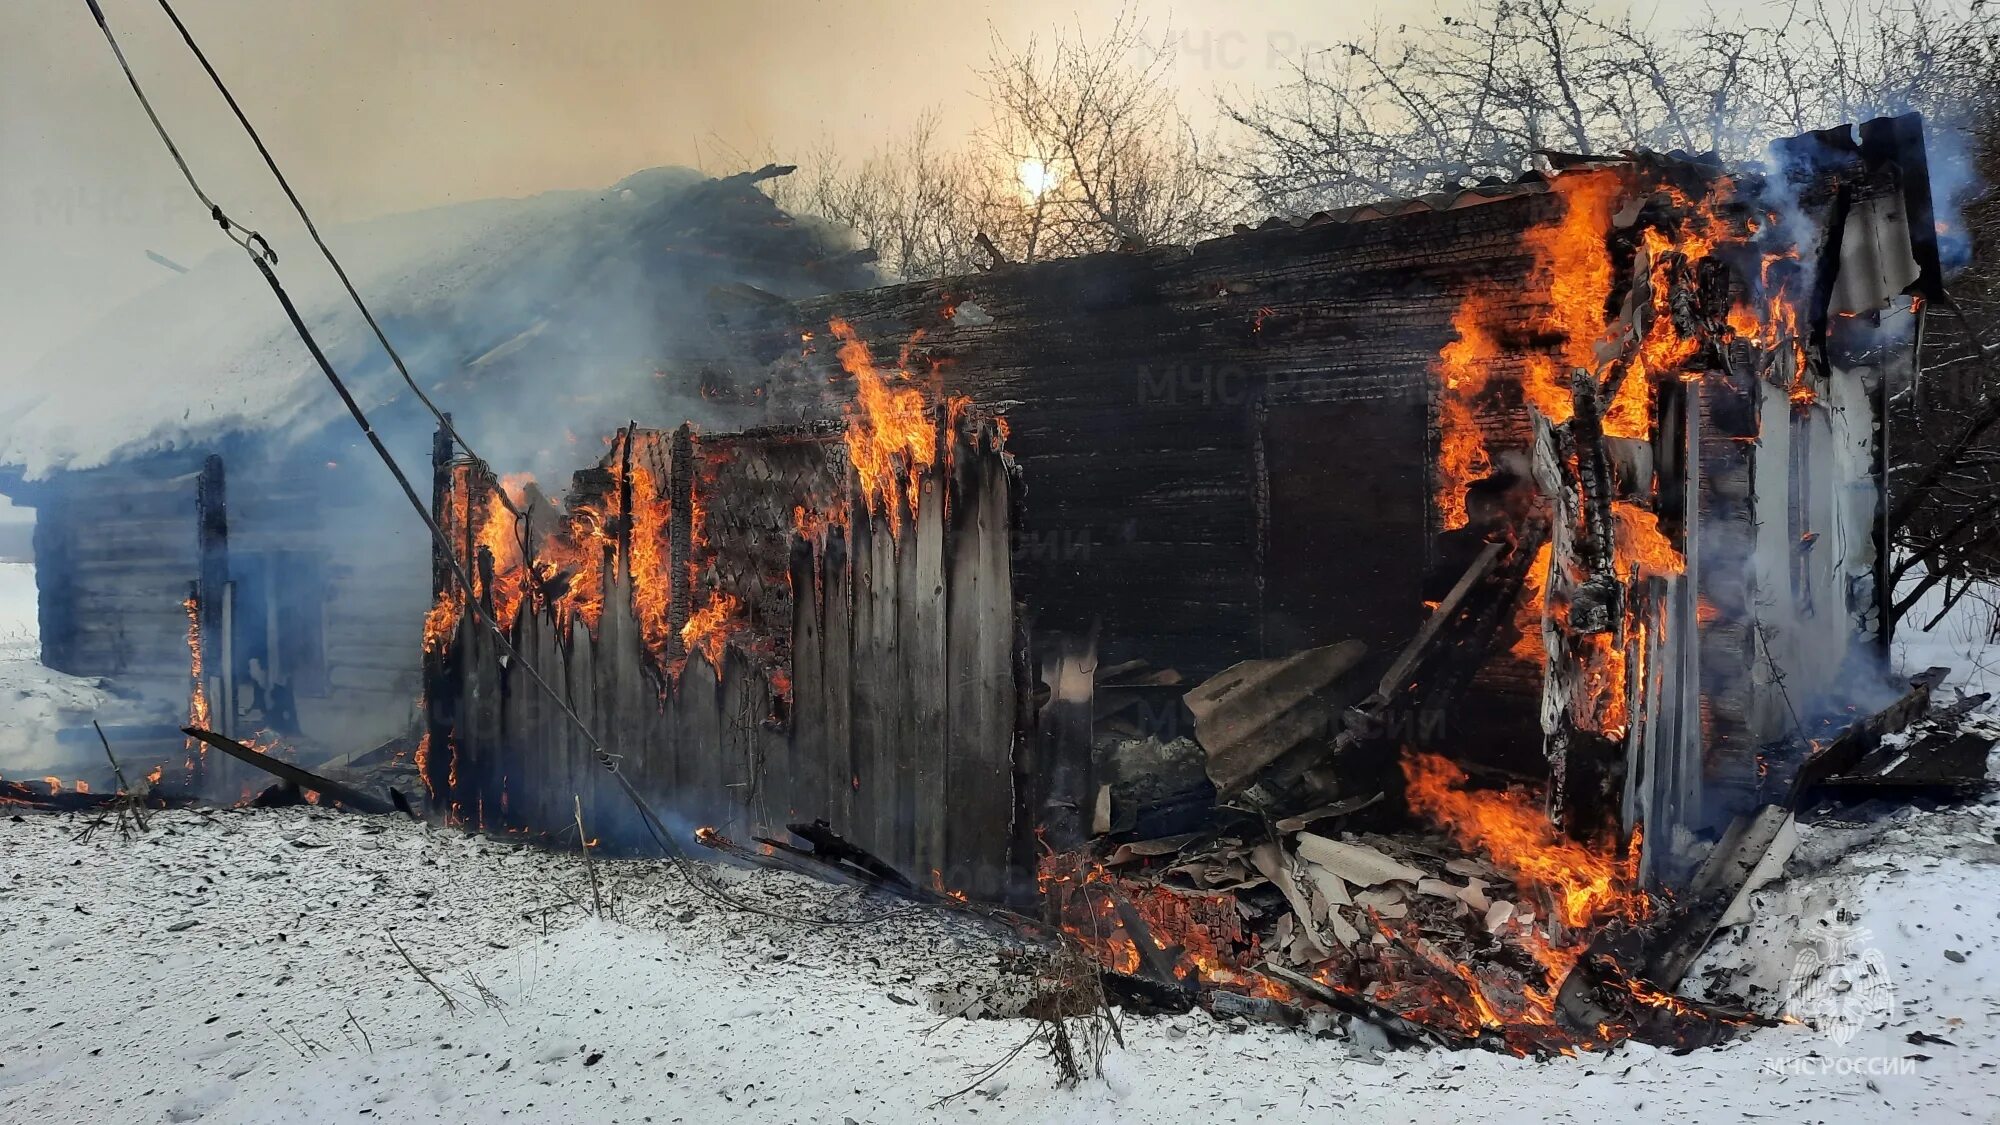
[[1967, 640], [35, 701], [211, 352], [225, 966]]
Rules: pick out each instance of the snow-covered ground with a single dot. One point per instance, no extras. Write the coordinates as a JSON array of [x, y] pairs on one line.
[[34, 701], [236, 966], [1966, 639]]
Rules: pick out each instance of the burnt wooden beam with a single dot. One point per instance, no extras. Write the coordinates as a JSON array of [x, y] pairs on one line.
[[832, 847], [1401, 1032], [285, 771], [1845, 752], [1161, 964], [1067, 736], [1752, 842], [1948, 763]]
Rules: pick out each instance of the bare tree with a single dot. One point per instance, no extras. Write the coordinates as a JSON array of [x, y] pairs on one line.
[[1085, 149], [1100, 154], [1471, 95], [918, 204]]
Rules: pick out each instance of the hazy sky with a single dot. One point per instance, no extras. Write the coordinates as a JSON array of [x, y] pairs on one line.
[[375, 106]]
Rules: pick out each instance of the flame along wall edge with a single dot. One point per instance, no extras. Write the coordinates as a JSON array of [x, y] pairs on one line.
[[756, 641], [1714, 602]]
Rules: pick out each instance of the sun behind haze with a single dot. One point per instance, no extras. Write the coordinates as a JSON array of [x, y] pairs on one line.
[[376, 106]]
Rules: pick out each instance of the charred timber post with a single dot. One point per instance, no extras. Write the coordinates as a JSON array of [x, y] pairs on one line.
[[441, 454], [439, 698], [680, 538], [1066, 732], [1595, 469], [625, 521], [212, 589]]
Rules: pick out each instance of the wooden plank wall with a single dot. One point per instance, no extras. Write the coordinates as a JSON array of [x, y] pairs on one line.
[[115, 556], [869, 681], [1224, 446]]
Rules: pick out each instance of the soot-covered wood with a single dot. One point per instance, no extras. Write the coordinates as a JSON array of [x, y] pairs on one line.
[[1225, 447], [871, 685]]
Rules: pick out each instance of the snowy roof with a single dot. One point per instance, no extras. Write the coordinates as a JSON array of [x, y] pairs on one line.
[[210, 353]]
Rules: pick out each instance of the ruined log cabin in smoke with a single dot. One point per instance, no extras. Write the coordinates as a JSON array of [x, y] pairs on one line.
[[188, 444], [1301, 434]]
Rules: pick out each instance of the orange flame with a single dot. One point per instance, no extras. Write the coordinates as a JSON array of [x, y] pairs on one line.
[[1584, 885], [1528, 615], [1463, 366], [652, 584], [709, 629], [891, 436], [1639, 541]]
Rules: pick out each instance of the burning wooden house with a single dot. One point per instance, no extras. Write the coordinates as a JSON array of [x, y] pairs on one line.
[[1571, 485], [199, 497]]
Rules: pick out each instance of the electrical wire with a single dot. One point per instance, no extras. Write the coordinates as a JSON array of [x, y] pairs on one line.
[[312, 228], [261, 254]]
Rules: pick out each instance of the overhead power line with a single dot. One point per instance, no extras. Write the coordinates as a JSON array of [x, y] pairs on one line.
[[265, 258]]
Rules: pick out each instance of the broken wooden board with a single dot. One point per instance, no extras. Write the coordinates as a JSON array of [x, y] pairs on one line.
[[1857, 741], [1945, 763], [1356, 863], [1752, 851], [287, 772], [1249, 714]]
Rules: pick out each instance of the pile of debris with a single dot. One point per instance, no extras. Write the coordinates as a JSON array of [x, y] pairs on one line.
[[1432, 911]]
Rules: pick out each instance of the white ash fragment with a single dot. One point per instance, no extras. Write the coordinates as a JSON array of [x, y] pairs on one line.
[[1497, 915], [1357, 863], [1388, 896], [1344, 931], [1272, 862], [1473, 894], [1467, 867], [1438, 887], [1332, 887]]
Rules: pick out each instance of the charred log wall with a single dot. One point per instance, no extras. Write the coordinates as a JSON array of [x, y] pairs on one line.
[[1225, 447], [115, 552], [825, 661]]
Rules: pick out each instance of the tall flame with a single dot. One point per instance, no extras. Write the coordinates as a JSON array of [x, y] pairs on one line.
[[891, 436], [198, 681], [1532, 646], [1463, 366]]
